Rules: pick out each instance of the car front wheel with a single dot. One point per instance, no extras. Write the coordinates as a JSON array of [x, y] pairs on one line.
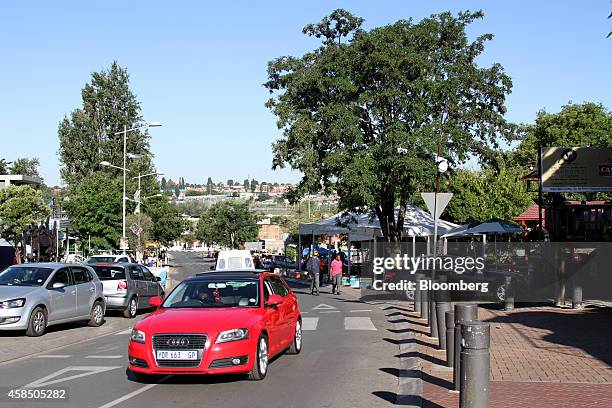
[[37, 323], [260, 367]]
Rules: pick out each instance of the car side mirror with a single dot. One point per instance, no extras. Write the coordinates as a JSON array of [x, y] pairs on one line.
[[156, 301], [157, 279], [212, 268], [274, 300], [58, 285]]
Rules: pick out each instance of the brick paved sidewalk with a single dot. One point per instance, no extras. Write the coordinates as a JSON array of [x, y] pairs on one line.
[[540, 357]]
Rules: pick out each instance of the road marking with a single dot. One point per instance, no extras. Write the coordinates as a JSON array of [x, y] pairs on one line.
[[310, 323], [358, 323], [88, 370], [119, 356], [323, 306], [133, 393], [126, 331], [362, 310], [330, 311], [54, 356]]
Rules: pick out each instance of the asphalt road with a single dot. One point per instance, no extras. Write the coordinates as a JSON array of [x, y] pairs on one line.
[[349, 359]]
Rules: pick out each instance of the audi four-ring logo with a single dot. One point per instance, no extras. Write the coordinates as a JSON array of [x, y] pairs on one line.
[[178, 342]]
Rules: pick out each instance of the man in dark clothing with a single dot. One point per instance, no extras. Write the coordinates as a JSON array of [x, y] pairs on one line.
[[313, 266]]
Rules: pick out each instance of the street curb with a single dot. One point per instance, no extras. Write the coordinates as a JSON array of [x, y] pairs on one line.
[[410, 375]]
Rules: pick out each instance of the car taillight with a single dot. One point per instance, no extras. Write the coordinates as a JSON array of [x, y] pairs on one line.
[[389, 275], [122, 287]]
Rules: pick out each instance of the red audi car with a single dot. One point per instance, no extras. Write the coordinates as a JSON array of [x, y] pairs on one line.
[[218, 323]]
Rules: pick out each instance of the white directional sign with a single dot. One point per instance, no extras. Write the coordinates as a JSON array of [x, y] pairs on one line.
[[76, 372], [323, 306], [430, 200]]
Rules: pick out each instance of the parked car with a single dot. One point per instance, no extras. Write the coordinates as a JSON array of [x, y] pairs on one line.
[[218, 323], [281, 262], [108, 259], [234, 259], [128, 287], [34, 296]]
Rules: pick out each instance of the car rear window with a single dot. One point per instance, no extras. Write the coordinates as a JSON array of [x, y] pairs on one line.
[[109, 272], [100, 259]]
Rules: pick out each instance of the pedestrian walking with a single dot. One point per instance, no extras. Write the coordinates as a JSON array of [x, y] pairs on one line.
[[313, 266], [335, 274]]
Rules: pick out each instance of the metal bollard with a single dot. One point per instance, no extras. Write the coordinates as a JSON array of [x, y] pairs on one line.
[[509, 301], [463, 313], [475, 365], [424, 304], [577, 297], [417, 293], [433, 320], [441, 309], [450, 338]]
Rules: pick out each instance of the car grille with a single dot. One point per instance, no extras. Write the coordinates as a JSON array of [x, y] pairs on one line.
[[227, 362], [179, 342]]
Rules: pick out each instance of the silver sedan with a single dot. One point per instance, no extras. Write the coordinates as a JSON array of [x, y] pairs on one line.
[[36, 295]]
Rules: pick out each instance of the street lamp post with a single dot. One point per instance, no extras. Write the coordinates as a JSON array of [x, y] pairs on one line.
[[138, 200], [124, 132]]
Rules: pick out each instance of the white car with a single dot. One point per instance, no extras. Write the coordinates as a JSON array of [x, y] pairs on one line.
[[108, 259], [235, 259]]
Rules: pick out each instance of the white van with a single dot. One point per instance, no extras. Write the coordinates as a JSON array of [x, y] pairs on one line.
[[234, 259]]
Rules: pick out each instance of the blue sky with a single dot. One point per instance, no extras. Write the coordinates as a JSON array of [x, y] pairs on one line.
[[198, 67]]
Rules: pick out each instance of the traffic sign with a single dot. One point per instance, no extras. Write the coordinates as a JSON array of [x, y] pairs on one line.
[[123, 244], [136, 229], [430, 201]]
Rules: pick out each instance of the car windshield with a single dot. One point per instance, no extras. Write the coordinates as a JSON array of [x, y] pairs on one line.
[[100, 259], [24, 276], [109, 272], [214, 293]]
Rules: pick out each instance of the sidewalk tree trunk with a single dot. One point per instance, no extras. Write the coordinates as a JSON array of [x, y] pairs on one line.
[[362, 115]]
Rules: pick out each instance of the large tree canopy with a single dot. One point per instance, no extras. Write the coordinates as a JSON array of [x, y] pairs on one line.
[[87, 137], [363, 113], [227, 223], [20, 206], [576, 125]]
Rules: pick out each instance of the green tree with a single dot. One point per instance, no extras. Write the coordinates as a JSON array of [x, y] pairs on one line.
[[254, 184], [362, 114], [5, 166], [584, 125], [210, 185], [87, 136], [167, 222], [227, 223], [246, 185], [94, 207], [487, 194], [163, 184], [20, 206], [26, 166], [230, 182]]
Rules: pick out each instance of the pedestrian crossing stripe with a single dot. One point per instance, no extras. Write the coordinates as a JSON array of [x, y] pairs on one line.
[[323, 306], [310, 323]]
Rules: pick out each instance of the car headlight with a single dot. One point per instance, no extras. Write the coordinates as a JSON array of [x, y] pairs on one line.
[[12, 304], [232, 335], [138, 336]]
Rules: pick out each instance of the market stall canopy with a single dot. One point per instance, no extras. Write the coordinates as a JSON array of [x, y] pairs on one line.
[[491, 227], [364, 227]]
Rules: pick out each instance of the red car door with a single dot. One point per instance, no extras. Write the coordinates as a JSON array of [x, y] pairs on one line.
[[287, 308], [274, 322]]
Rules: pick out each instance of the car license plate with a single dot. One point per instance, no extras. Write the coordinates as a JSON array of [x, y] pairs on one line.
[[177, 355]]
